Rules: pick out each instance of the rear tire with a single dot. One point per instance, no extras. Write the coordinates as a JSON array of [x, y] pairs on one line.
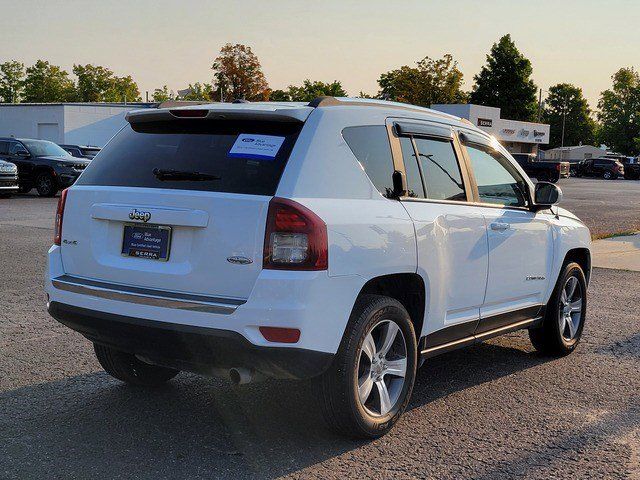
[[46, 185], [607, 175], [127, 368], [565, 314], [369, 384]]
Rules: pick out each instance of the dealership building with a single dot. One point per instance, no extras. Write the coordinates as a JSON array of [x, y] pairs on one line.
[[517, 137], [72, 123]]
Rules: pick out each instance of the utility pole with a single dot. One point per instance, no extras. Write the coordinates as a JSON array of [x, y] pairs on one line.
[[564, 119], [540, 106]]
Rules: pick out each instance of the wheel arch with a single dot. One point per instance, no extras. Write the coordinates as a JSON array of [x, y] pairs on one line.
[[407, 288], [582, 256]]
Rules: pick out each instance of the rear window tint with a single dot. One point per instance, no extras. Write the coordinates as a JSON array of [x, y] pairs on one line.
[[370, 145], [202, 146]]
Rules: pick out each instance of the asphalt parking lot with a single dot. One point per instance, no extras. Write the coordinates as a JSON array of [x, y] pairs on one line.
[[496, 410], [606, 206]]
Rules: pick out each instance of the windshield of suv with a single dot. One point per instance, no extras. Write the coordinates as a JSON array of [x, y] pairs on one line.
[[44, 148], [213, 155]]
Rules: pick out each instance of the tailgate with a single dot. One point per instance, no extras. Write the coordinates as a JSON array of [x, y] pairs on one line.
[[207, 231]]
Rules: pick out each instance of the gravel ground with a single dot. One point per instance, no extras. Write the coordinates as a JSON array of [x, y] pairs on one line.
[[496, 410]]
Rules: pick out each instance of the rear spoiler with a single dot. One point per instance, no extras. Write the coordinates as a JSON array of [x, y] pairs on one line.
[[220, 112]]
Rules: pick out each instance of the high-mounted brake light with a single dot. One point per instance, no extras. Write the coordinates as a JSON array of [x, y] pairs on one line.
[[57, 232], [189, 113], [295, 238]]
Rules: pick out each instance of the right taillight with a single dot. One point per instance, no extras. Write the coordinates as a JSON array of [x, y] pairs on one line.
[[295, 238], [57, 232]]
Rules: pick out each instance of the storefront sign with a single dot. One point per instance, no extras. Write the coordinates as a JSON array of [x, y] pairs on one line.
[[485, 122]]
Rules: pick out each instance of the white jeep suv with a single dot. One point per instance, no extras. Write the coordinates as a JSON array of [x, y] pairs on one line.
[[343, 240]]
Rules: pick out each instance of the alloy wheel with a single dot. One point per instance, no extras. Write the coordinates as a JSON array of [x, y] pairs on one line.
[[45, 183], [570, 309], [382, 367]]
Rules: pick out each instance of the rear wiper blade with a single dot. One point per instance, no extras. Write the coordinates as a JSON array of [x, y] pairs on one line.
[[168, 174]]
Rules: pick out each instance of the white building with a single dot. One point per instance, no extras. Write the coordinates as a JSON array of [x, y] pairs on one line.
[[517, 137], [574, 154], [73, 123]]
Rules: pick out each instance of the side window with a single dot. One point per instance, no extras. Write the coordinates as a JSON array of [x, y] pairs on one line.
[[440, 169], [498, 182], [370, 145], [16, 147], [414, 179], [4, 148]]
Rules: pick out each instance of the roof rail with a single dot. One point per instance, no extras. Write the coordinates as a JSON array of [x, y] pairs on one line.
[[323, 102]]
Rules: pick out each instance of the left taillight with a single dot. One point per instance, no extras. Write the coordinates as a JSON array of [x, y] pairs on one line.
[[57, 232], [295, 238]]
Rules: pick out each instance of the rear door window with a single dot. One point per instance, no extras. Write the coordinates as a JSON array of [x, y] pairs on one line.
[[370, 145], [415, 188], [440, 169], [188, 154]]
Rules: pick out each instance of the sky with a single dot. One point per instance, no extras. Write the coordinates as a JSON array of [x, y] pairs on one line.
[[174, 43]]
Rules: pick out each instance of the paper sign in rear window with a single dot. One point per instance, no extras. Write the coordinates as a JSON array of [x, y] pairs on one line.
[[258, 147]]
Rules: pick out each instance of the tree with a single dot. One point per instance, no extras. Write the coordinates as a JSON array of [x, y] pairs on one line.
[[46, 83], [308, 91], [99, 84], [162, 94], [11, 81], [431, 81], [505, 82], [123, 89], [566, 101], [93, 82], [279, 96], [619, 112], [198, 91], [238, 74]]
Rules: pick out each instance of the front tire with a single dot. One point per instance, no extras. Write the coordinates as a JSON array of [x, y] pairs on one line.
[[368, 386], [607, 175], [127, 368], [46, 185], [565, 313]]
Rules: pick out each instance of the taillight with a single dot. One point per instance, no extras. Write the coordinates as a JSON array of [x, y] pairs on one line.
[[57, 232], [295, 238], [558, 167]]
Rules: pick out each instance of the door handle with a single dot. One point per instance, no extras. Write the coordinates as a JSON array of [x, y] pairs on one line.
[[500, 227]]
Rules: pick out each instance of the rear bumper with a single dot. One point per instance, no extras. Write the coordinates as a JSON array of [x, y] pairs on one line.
[[188, 347]]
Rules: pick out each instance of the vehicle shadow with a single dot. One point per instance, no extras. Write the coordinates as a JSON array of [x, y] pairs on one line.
[[92, 426]]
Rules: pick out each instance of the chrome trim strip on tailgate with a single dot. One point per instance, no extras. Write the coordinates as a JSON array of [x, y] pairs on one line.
[[147, 296]]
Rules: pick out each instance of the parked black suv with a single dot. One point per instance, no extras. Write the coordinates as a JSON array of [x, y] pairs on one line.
[[41, 164], [607, 168], [81, 151], [631, 168], [543, 171]]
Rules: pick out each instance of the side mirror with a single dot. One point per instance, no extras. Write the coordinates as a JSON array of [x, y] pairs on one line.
[[546, 194], [23, 153]]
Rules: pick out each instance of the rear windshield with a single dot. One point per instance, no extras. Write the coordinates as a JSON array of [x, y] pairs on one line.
[[187, 154]]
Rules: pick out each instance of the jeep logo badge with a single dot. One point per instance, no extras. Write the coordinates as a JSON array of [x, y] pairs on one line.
[[138, 215]]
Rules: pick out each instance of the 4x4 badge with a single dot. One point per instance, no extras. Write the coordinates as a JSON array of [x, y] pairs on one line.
[[138, 215]]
